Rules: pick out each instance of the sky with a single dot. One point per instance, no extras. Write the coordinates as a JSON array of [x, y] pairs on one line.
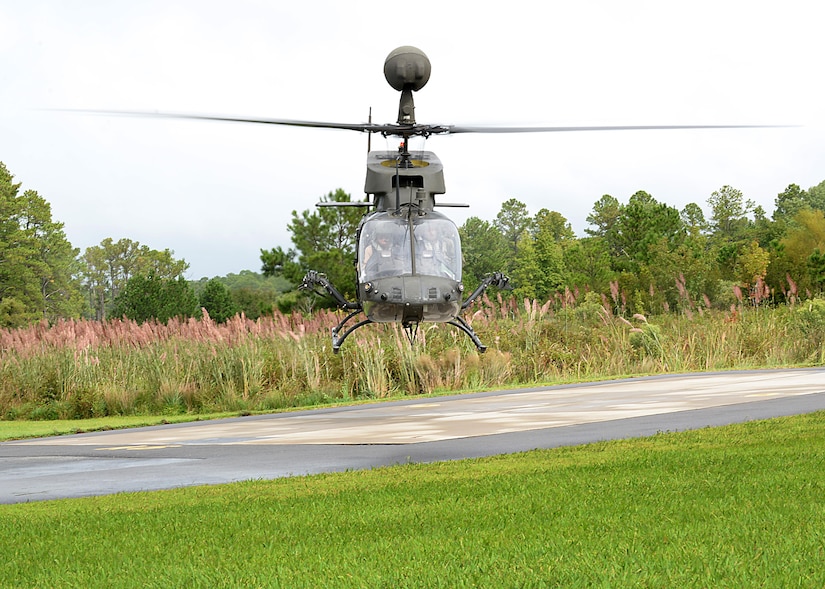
[[217, 193]]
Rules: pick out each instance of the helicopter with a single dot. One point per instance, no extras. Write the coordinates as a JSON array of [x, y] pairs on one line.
[[408, 255]]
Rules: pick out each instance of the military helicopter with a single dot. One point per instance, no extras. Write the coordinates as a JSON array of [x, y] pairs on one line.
[[408, 258]]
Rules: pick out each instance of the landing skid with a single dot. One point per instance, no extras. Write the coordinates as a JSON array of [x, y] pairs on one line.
[[338, 341], [496, 279], [463, 326], [339, 334]]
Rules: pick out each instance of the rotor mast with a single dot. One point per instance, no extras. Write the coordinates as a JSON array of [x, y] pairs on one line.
[[407, 69]]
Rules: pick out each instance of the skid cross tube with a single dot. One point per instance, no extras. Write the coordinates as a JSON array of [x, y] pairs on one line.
[[339, 333]]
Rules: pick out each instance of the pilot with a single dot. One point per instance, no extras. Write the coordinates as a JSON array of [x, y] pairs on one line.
[[381, 255], [433, 249]]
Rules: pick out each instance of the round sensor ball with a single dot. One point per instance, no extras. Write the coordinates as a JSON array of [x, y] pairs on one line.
[[407, 67]]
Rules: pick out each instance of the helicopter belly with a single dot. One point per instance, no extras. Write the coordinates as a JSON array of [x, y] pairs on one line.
[[411, 299]]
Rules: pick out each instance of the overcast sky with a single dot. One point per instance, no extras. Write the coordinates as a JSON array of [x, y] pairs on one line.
[[216, 193]]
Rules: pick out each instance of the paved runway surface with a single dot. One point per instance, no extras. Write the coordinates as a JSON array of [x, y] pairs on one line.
[[419, 430]]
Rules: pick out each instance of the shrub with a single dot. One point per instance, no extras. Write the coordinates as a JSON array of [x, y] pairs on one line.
[[809, 320], [647, 340], [152, 297], [217, 301]]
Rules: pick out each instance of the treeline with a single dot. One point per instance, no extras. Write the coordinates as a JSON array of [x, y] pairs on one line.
[[646, 256], [640, 256], [43, 277]]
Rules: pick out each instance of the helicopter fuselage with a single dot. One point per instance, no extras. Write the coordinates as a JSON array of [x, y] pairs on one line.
[[409, 256]]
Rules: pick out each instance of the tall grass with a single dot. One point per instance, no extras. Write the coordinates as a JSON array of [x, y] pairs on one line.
[[80, 369]]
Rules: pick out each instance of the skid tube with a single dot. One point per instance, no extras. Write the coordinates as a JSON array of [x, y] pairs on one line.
[[313, 278]]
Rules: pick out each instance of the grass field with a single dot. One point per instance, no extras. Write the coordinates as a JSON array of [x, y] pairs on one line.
[[738, 506]]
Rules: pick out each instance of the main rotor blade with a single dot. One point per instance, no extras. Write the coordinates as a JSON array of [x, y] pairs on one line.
[[364, 127], [452, 129], [413, 130]]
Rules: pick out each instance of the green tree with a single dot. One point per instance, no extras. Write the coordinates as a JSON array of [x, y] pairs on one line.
[[673, 278], [513, 220], [554, 225], [13, 313], [606, 212], [484, 251], [527, 273], [752, 264], [36, 259], [551, 229], [643, 223], [161, 262], [217, 300], [276, 262], [252, 293], [54, 261], [816, 269], [789, 202], [587, 264], [816, 196], [106, 268], [805, 235], [729, 212], [95, 280], [254, 302], [151, 296], [793, 199], [696, 268], [643, 242], [324, 240], [693, 219]]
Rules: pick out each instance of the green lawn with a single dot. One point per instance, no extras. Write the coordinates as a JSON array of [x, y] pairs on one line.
[[739, 506], [15, 430]]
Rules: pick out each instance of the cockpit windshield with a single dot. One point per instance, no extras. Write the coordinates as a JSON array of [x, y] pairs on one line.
[[386, 248]]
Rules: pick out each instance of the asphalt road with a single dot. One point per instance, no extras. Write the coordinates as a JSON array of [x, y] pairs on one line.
[[417, 430]]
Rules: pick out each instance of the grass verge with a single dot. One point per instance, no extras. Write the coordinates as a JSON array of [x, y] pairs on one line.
[[738, 506], [16, 430]]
